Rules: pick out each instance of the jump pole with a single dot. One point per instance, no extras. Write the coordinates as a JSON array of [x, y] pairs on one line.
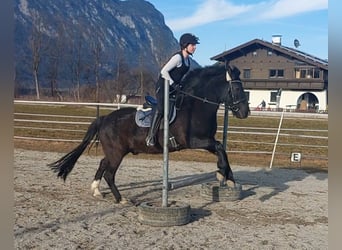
[[165, 145]]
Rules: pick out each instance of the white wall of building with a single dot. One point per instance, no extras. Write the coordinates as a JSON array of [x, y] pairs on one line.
[[288, 97], [256, 97]]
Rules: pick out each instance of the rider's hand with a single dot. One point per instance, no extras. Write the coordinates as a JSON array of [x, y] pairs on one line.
[[178, 87]]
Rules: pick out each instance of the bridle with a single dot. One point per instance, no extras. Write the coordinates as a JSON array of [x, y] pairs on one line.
[[232, 105]]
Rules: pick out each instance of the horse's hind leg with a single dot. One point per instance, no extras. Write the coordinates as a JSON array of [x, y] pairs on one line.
[[109, 176], [98, 176]]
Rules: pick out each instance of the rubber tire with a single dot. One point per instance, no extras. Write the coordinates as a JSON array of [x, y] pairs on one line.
[[213, 192], [153, 214]]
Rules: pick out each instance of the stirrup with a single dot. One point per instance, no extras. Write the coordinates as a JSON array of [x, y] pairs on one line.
[[150, 141]]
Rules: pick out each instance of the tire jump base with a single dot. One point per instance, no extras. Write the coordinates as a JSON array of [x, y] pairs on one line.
[[212, 191], [153, 214]]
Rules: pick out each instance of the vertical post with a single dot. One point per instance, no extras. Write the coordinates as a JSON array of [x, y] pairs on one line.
[[277, 102], [225, 127], [97, 110], [276, 140], [165, 145]]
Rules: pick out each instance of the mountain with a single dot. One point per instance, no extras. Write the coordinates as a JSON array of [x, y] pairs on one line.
[[88, 41]]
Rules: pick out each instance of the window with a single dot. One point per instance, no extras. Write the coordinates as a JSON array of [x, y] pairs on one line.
[[247, 73], [307, 73], [302, 73], [316, 73], [269, 52], [280, 73], [273, 97], [276, 73], [273, 73]]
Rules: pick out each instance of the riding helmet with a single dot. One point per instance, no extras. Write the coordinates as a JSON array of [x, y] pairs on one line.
[[187, 39]]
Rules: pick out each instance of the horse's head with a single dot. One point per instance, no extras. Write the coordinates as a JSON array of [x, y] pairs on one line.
[[209, 85], [237, 101]]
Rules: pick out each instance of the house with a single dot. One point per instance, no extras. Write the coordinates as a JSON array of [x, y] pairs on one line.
[[281, 76]]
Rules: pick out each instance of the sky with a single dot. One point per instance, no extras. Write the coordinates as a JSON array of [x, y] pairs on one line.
[[224, 24]]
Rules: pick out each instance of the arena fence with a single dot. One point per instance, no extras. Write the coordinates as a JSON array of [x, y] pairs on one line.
[[71, 128]]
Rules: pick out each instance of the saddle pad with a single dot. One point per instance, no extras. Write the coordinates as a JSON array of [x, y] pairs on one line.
[[143, 117]]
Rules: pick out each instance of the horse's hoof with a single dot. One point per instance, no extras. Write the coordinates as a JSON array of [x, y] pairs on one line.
[[231, 184], [97, 193], [219, 177], [124, 201], [95, 188]]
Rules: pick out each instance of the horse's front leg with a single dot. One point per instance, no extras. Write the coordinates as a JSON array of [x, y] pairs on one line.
[[225, 174]]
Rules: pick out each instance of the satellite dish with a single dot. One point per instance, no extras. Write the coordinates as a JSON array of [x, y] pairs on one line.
[[296, 43]]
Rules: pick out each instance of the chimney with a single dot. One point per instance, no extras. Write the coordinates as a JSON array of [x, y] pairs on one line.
[[276, 39]]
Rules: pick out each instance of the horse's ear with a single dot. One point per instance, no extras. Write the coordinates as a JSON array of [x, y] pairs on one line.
[[236, 70], [226, 64], [228, 71]]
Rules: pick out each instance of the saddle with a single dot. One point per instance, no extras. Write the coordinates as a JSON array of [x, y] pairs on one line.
[[145, 112]]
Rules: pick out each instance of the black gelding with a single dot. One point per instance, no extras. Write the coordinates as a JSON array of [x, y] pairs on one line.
[[194, 127]]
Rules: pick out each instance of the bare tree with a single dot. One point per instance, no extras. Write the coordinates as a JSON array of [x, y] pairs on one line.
[[141, 77], [76, 56], [145, 81], [77, 65], [97, 51], [56, 49], [35, 41], [128, 82], [122, 79]]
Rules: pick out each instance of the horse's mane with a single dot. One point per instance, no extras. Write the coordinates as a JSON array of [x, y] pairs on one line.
[[199, 78]]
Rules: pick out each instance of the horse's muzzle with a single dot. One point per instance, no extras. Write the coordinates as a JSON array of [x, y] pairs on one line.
[[240, 110]]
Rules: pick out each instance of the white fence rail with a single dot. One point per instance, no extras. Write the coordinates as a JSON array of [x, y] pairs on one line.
[[86, 120]]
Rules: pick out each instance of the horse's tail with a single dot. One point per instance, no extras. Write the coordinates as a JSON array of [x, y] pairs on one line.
[[65, 164]]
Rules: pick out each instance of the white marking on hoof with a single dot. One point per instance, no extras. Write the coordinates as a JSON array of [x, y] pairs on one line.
[[95, 188], [124, 201], [230, 184], [97, 193], [219, 176]]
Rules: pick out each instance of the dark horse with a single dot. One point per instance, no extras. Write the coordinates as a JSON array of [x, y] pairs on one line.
[[194, 127]]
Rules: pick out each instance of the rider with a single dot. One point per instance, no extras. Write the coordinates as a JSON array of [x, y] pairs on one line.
[[174, 70]]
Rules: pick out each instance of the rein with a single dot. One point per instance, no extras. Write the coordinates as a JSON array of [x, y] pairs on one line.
[[205, 100]]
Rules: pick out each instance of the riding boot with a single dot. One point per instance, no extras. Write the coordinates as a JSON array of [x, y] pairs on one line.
[[151, 137]]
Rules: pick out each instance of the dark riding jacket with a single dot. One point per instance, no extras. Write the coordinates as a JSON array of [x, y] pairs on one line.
[[176, 74]]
